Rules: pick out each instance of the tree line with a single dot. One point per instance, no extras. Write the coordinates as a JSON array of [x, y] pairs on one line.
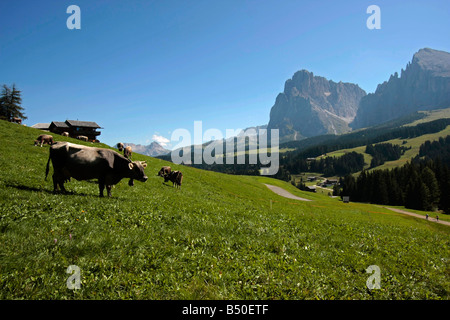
[[422, 184], [383, 152], [437, 149], [329, 166], [368, 136]]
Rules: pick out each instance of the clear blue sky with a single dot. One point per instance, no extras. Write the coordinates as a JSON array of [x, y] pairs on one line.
[[145, 68]]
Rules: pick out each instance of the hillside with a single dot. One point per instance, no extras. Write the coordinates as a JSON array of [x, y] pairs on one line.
[[412, 143], [219, 237]]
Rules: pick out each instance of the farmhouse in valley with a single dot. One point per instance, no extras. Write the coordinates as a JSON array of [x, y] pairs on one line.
[[73, 127]]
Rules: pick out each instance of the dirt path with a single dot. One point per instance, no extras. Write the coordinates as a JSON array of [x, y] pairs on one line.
[[418, 216], [284, 193]]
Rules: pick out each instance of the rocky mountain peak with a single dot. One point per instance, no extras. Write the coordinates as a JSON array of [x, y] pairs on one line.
[[154, 149], [423, 85], [312, 105]]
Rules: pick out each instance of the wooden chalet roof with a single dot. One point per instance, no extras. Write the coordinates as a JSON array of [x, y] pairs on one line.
[[59, 124], [42, 126], [86, 124]]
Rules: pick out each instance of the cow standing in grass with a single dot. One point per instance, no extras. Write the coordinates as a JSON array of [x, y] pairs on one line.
[[120, 146], [127, 152], [164, 171], [176, 177], [43, 139], [83, 138], [85, 163]]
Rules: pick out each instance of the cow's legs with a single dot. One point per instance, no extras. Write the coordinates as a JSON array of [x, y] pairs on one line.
[[108, 189], [61, 186], [101, 186], [58, 180], [55, 183]]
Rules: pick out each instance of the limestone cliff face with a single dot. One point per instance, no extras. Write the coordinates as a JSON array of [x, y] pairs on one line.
[[312, 105], [423, 85]]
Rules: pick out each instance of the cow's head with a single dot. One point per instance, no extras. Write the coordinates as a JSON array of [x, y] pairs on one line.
[[137, 171]]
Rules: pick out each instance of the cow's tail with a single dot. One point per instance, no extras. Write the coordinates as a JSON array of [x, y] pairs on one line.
[[48, 168]]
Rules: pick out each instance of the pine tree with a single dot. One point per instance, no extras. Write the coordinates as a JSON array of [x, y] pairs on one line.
[[429, 179], [10, 103], [411, 198], [423, 197], [444, 202]]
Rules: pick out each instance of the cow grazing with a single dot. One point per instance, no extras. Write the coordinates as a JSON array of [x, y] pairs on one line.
[[65, 134], [16, 120], [164, 171], [176, 177], [85, 163], [127, 152], [44, 139], [83, 138], [120, 146]]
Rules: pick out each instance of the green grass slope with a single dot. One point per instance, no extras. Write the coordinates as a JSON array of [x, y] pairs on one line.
[[413, 143], [219, 237]]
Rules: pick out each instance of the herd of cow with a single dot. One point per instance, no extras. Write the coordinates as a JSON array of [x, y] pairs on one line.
[[81, 162]]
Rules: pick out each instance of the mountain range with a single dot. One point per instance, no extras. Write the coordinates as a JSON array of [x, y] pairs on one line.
[[312, 105], [423, 85], [153, 150]]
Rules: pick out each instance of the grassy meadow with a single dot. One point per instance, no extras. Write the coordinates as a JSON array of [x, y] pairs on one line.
[[413, 143], [219, 237]]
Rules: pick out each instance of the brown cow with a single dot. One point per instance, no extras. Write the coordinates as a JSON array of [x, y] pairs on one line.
[[43, 139], [164, 171], [65, 134], [85, 163], [83, 138], [176, 177], [16, 120], [127, 152], [120, 146]]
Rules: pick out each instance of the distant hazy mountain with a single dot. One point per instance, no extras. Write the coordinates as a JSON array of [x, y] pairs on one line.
[[312, 105], [153, 150], [424, 85]]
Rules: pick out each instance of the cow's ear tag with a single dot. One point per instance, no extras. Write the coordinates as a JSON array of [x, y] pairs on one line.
[[131, 165]]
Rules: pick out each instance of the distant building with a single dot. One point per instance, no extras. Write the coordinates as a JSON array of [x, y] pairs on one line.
[[73, 127], [59, 127], [331, 181], [41, 126]]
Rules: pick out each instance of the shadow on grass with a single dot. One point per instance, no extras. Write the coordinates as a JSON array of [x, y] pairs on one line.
[[169, 185], [28, 188]]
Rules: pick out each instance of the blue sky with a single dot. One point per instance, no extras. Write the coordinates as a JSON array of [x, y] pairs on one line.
[[142, 69]]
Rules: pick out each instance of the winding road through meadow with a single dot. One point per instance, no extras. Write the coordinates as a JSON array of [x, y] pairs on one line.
[[287, 194], [284, 193]]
